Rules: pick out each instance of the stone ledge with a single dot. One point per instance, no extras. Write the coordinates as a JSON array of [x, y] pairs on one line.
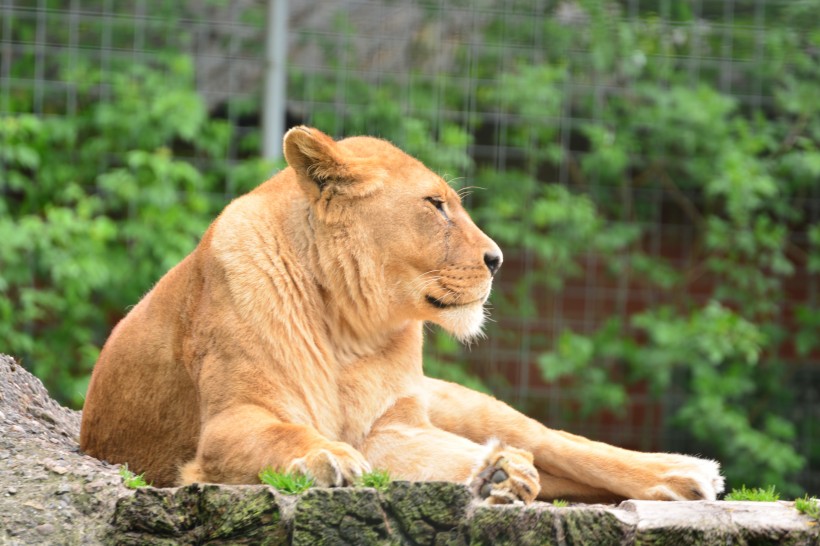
[[437, 514], [52, 494]]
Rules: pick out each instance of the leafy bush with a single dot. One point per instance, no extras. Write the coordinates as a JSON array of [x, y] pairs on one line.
[[96, 207]]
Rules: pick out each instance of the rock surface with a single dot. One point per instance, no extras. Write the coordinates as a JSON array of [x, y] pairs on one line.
[[52, 494], [49, 492]]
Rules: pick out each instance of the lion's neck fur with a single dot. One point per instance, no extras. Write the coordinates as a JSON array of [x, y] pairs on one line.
[[312, 266], [312, 315]]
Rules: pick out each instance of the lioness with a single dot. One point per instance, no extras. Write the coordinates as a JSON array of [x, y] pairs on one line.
[[291, 337]]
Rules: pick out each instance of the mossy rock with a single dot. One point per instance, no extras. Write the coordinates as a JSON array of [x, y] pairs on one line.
[[52, 494], [199, 514], [330, 517], [544, 524]]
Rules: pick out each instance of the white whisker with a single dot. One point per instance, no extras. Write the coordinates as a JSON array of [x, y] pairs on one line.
[[464, 192], [453, 180]]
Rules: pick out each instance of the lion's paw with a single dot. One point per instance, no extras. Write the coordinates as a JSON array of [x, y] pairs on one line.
[[686, 478], [505, 475], [335, 465]]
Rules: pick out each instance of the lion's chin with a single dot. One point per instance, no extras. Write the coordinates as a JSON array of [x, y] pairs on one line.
[[465, 322]]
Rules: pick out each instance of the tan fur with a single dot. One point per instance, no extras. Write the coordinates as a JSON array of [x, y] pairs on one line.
[[291, 337]]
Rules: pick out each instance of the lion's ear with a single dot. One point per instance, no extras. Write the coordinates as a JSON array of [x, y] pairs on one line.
[[320, 163], [315, 156]]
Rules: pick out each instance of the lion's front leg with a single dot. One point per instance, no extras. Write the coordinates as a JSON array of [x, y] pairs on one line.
[[404, 443], [589, 470], [238, 443]]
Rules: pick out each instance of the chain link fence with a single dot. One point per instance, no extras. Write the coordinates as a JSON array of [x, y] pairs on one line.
[[345, 57]]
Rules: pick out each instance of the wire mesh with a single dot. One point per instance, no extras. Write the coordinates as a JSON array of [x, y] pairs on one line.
[[436, 44]]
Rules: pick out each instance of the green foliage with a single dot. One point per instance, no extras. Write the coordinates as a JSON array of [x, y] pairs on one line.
[[442, 361], [737, 174], [377, 479], [560, 503], [808, 506], [289, 483], [131, 480], [95, 208], [757, 494], [555, 224], [585, 360]]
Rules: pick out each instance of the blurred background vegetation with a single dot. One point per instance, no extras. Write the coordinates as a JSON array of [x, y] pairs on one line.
[[650, 168]]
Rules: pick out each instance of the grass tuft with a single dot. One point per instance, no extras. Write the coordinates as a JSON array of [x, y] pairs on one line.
[[131, 480], [290, 483], [560, 503], [378, 479], [753, 494], [808, 506]]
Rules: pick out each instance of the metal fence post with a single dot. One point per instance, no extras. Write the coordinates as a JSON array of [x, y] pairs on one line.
[[273, 109]]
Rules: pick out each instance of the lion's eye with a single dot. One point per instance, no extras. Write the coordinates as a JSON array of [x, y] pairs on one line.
[[439, 204]]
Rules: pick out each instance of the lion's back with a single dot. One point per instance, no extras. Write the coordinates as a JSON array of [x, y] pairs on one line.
[[141, 402]]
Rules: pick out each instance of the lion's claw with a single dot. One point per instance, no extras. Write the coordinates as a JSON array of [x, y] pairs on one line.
[[507, 476], [333, 466]]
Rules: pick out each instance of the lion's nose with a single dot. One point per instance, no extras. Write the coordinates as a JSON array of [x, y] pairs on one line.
[[493, 261]]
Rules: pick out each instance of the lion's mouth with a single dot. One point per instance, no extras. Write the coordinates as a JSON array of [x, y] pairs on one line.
[[437, 303]]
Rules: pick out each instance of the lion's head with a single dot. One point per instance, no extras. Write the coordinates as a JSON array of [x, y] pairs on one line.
[[390, 235]]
